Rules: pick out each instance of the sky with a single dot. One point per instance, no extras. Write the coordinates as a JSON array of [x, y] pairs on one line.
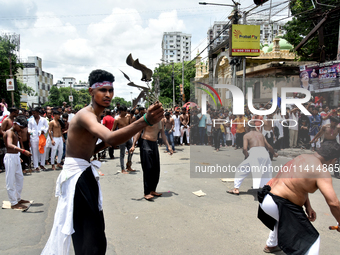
[[75, 37]]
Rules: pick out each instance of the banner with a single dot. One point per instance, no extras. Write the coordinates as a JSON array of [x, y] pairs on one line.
[[10, 84], [320, 77], [245, 40]]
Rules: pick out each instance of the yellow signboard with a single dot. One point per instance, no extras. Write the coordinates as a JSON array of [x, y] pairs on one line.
[[23, 105], [245, 40]]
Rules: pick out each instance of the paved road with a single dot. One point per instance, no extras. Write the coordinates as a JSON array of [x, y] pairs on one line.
[[177, 223]]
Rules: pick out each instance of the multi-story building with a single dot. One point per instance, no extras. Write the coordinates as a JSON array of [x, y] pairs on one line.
[[267, 31], [33, 76], [176, 47], [215, 30]]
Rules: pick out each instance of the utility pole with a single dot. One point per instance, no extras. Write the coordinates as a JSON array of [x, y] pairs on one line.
[[11, 75], [183, 79], [173, 85]]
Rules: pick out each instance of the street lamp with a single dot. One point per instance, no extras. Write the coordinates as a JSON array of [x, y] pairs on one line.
[[204, 3], [131, 98]]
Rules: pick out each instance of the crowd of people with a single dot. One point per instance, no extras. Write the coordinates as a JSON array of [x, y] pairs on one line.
[[58, 136]]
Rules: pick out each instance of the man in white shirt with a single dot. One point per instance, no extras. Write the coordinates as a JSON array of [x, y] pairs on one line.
[[293, 127], [37, 126]]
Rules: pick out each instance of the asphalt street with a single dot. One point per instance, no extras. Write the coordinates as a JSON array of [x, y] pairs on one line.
[[179, 222]]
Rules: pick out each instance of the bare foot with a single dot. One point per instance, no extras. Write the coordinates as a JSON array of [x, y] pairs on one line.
[[47, 163], [234, 192], [130, 170], [19, 206], [154, 193], [24, 171], [22, 201], [125, 172], [37, 170], [42, 168], [148, 197], [217, 150], [59, 166], [53, 167]]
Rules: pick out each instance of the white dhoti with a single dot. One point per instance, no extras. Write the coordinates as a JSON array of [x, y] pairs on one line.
[[14, 177], [59, 144], [60, 237], [37, 157], [48, 147], [187, 133], [259, 164]]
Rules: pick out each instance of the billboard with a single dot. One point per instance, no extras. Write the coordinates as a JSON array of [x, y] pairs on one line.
[[320, 77], [245, 40]]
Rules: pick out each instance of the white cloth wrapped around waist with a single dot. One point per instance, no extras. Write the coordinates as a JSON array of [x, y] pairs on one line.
[[259, 163], [60, 237]]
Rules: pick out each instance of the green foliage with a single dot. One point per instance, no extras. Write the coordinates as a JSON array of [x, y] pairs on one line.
[[120, 100], [164, 72], [303, 23], [58, 96], [6, 50]]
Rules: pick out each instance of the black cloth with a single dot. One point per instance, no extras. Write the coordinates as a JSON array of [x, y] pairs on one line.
[[239, 139], [88, 222], [149, 157], [296, 234], [26, 161]]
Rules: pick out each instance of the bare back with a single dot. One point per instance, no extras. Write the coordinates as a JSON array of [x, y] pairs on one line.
[[298, 178], [254, 139]]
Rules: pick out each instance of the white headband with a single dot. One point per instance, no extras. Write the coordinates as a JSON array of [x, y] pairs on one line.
[[101, 84], [18, 124]]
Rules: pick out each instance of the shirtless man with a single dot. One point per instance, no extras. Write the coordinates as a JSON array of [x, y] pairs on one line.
[[78, 183], [289, 191], [256, 161], [184, 119], [14, 176], [330, 131], [8, 122], [57, 139], [150, 157], [169, 125], [124, 120]]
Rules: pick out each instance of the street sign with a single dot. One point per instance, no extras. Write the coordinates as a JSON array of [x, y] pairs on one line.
[[10, 84], [70, 98]]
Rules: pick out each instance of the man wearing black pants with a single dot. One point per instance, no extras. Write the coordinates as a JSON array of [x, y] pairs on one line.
[[150, 157]]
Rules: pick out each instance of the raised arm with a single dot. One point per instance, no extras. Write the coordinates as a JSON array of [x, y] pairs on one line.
[[326, 187], [120, 136], [319, 134]]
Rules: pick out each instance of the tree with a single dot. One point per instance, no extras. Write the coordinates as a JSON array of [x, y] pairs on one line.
[[58, 96], [164, 72], [120, 100], [304, 21], [7, 47]]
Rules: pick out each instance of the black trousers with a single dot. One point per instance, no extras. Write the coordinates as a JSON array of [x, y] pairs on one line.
[[111, 152], [149, 158], [26, 161], [239, 139], [88, 222]]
